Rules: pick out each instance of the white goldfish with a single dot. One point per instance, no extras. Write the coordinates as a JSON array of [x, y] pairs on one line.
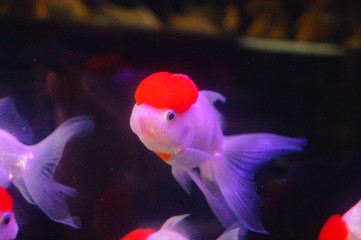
[[345, 227], [174, 228], [182, 126], [31, 167], [8, 225]]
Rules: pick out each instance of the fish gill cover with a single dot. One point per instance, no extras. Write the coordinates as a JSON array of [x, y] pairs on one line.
[[166, 90]]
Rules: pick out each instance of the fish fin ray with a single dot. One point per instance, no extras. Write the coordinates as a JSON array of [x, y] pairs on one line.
[[4, 178], [13, 123], [183, 179], [178, 224], [242, 156], [212, 96], [190, 158], [251, 151], [234, 232], [215, 200], [50, 196], [19, 183]]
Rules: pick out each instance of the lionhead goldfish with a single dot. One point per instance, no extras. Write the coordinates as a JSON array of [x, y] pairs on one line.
[[345, 227], [180, 124], [174, 228], [8, 226], [31, 167]]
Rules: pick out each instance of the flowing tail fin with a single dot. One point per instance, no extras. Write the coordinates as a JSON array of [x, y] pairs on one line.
[[46, 193], [241, 157]]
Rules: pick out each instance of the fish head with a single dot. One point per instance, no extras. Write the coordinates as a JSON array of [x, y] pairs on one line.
[[334, 228], [161, 130], [8, 225], [161, 116], [139, 234]]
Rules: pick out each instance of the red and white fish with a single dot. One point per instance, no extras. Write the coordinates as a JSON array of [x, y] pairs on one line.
[[31, 167], [345, 227], [174, 228], [8, 226], [181, 125]]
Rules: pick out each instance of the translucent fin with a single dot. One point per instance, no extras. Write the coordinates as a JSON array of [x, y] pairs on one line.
[[234, 232], [190, 158], [177, 224], [19, 183], [48, 195], [13, 123], [215, 199], [242, 156], [4, 178], [213, 96], [353, 219], [248, 152], [230, 235], [183, 179]]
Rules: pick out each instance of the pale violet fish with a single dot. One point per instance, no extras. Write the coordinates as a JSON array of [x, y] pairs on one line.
[[182, 126], [345, 227], [8, 225], [175, 228], [31, 167]]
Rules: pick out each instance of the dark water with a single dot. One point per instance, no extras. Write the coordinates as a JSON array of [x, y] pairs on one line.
[[57, 71]]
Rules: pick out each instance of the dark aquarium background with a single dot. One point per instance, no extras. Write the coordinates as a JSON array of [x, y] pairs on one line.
[[291, 68]]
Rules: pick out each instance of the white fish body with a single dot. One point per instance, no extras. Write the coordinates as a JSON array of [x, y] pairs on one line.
[[223, 167], [31, 167]]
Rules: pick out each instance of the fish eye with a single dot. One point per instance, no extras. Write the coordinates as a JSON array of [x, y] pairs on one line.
[[5, 219], [170, 115]]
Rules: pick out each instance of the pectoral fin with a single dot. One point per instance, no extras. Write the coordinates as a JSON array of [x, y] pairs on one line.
[[183, 179], [190, 158]]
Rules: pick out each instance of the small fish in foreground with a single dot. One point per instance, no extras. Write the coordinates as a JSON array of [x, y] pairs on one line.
[[174, 228], [31, 168], [8, 226], [181, 125], [345, 227]]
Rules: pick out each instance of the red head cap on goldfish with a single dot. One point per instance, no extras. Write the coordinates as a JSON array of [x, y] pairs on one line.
[[167, 90], [6, 203]]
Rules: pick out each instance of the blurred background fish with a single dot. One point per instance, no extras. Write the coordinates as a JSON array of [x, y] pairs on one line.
[[8, 225], [345, 227], [31, 167], [174, 228]]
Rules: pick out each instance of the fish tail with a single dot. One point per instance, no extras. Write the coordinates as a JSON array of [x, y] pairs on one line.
[[49, 195], [236, 167]]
